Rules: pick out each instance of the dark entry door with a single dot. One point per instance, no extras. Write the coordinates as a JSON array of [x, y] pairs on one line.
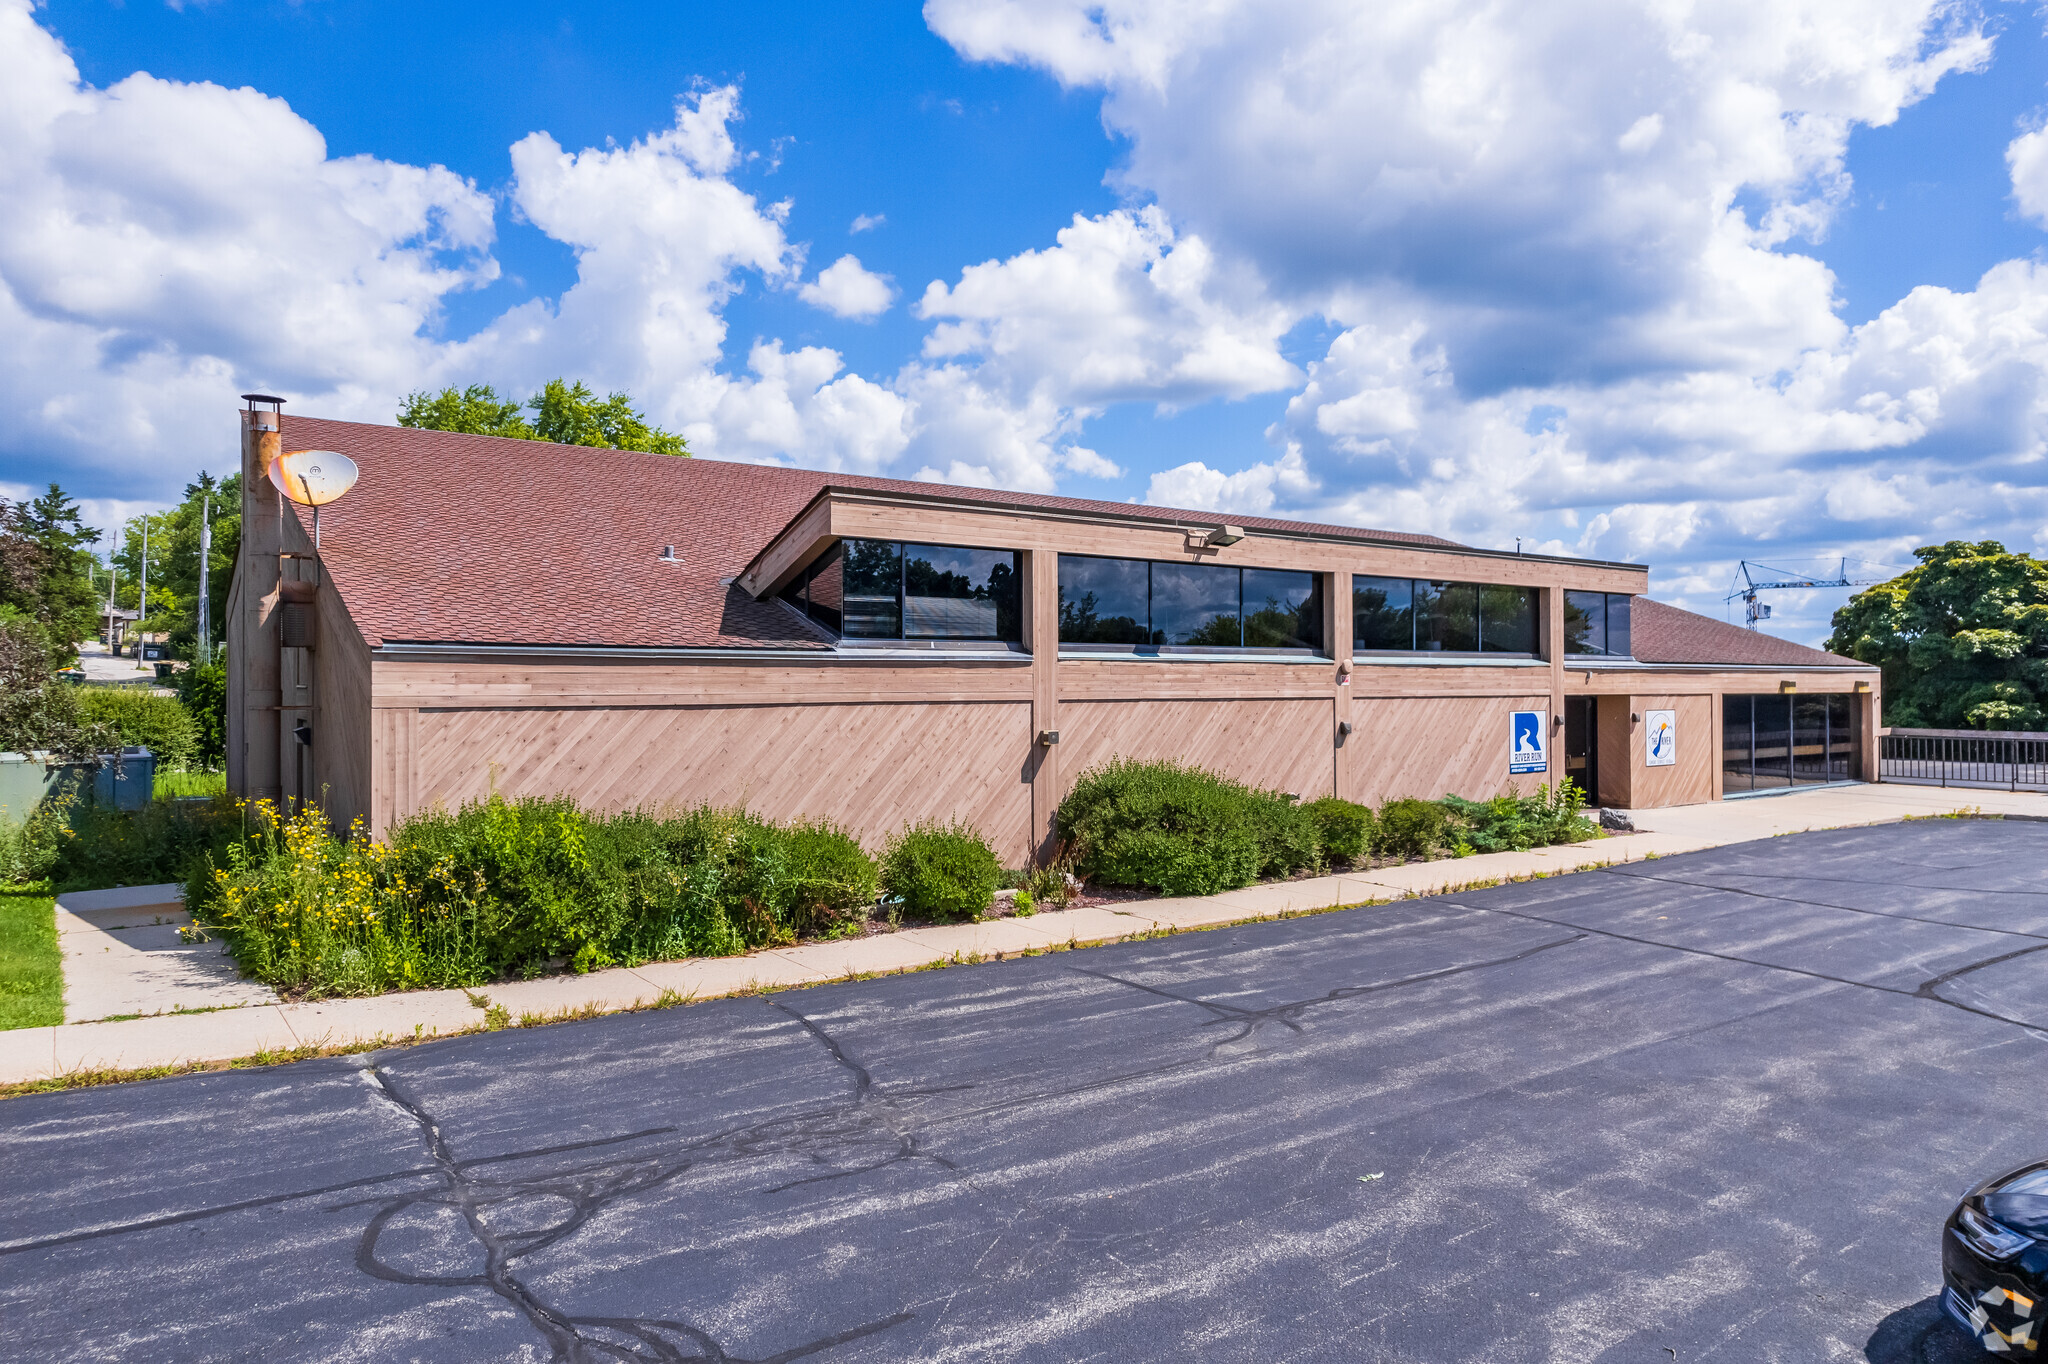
[[1581, 746]]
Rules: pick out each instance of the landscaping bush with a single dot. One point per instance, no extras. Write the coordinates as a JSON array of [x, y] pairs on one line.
[[1410, 828], [1511, 823], [506, 888], [157, 723], [941, 871], [1346, 827], [1182, 830], [832, 883], [307, 911]]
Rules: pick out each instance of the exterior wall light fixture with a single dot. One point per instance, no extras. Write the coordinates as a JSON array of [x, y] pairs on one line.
[[1787, 688], [1048, 737], [1863, 689]]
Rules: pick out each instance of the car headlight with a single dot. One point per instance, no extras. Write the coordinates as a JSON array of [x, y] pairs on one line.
[[1992, 1240]]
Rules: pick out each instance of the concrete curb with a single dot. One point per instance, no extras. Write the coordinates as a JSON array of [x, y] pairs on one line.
[[280, 1031]]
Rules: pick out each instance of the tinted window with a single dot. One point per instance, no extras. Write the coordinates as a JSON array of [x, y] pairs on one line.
[[1104, 601], [1507, 619], [874, 573], [1281, 609], [951, 593], [1447, 617], [1617, 625], [1382, 613], [1585, 623], [1196, 604]]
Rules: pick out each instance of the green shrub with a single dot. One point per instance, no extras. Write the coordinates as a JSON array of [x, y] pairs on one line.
[[1345, 826], [832, 883], [1045, 886], [1182, 830], [1511, 823], [1410, 828], [157, 723], [204, 693], [941, 871]]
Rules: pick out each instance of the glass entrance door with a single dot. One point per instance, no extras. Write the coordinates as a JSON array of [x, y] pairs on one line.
[[1581, 745]]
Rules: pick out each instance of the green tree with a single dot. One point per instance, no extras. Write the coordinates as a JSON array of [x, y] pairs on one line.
[[45, 566], [563, 413], [476, 411], [36, 710], [1962, 638]]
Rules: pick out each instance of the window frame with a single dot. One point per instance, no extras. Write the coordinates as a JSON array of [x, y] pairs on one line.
[[796, 593], [1423, 595], [1154, 647]]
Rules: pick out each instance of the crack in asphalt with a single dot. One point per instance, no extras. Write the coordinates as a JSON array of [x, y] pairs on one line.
[[1825, 904], [1927, 989], [483, 1203], [1287, 1014]]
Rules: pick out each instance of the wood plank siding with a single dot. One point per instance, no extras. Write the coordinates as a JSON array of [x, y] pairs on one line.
[[871, 766]]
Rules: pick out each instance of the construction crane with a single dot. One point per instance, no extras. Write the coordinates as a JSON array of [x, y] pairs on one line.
[[1748, 585]]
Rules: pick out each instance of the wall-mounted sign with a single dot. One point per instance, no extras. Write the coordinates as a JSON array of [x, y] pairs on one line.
[[1527, 737], [1660, 734]]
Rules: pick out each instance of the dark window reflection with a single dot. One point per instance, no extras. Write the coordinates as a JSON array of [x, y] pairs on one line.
[[1507, 619], [1617, 625], [1447, 617], [1382, 613], [1281, 609], [874, 575], [1596, 623], [1196, 604], [1585, 622], [1137, 602], [951, 593], [1104, 601]]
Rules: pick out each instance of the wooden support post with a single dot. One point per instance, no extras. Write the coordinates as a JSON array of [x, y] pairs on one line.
[[1042, 638], [255, 767], [1338, 624]]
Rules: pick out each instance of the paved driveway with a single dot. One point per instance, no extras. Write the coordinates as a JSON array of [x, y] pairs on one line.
[[1707, 1107]]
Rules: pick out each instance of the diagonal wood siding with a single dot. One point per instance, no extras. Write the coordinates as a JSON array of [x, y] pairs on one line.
[[1282, 745], [870, 767], [1455, 745]]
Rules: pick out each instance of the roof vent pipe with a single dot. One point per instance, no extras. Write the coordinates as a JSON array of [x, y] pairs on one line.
[[668, 554]]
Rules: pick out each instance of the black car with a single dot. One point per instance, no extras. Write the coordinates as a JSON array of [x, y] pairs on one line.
[[1994, 1261]]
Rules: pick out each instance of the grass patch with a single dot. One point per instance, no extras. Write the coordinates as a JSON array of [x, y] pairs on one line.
[[180, 785], [31, 968]]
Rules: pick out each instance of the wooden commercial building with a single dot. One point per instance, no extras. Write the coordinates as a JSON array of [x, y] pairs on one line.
[[489, 615]]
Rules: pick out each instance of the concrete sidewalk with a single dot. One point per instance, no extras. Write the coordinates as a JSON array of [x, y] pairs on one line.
[[255, 1022]]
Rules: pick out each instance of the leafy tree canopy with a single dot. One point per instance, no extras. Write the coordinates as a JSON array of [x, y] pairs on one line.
[[174, 566], [1962, 639], [45, 570], [564, 413]]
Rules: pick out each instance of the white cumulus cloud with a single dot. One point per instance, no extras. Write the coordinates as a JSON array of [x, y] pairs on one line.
[[846, 288]]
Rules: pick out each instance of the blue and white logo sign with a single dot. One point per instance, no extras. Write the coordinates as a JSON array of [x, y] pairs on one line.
[[1527, 735], [1660, 738]]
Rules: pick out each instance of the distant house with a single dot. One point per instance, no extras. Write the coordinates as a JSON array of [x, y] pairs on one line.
[[639, 631]]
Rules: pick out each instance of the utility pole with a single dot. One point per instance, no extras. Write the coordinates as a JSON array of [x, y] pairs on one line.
[[142, 599], [205, 557]]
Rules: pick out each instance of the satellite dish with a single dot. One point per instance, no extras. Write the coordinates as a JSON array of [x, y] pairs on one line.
[[313, 478]]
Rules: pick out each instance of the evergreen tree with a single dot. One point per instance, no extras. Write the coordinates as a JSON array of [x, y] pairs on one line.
[[45, 566]]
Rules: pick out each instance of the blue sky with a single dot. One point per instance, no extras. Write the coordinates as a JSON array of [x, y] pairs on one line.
[[1557, 276]]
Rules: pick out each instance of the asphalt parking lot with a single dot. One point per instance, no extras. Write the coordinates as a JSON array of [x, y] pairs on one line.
[[1709, 1107]]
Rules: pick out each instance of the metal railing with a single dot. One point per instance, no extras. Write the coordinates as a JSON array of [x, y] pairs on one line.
[[1953, 757]]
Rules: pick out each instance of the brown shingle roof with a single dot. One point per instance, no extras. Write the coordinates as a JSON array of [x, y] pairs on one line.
[[479, 539], [1659, 633]]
